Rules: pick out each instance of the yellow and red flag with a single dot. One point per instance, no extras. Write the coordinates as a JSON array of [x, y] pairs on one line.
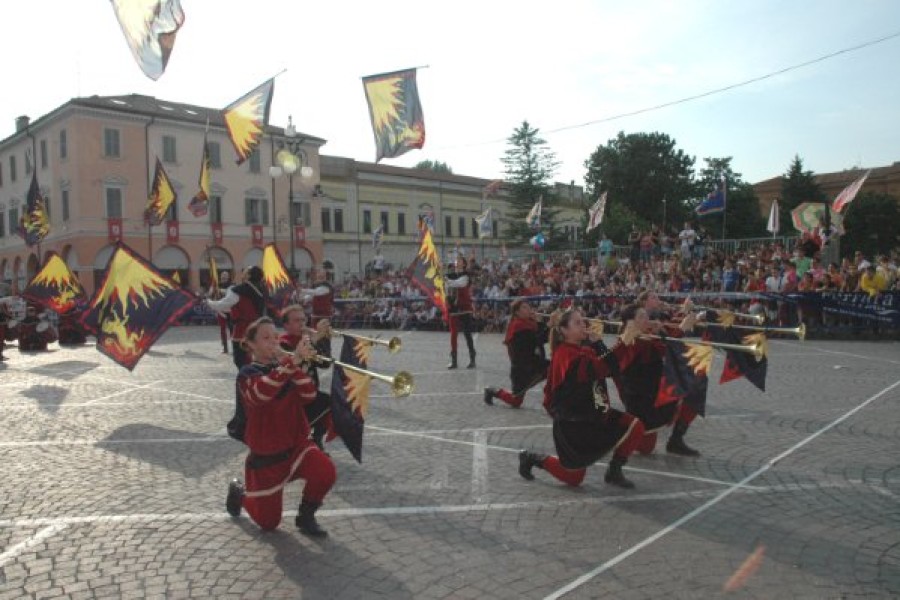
[[350, 395], [34, 223], [55, 286], [150, 27], [396, 113], [199, 204], [247, 117], [425, 272], [213, 273], [277, 279], [162, 195], [132, 307]]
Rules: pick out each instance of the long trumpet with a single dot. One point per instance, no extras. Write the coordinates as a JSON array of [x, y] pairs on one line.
[[799, 330], [756, 348], [394, 344], [758, 319], [402, 383], [588, 319]]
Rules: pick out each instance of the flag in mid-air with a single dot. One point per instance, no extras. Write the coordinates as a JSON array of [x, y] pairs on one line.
[[425, 272], [534, 215], [247, 117], [55, 286], [848, 193], [595, 213], [132, 307], [715, 200], [34, 224], [278, 282], [485, 223], [199, 204], [774, 224], [150, 27], [378, 237], [162, 195], [396, 113]]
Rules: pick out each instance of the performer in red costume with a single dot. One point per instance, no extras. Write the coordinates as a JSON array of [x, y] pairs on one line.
[[217, 293], [322, 294], [525, 339], [638, 384], [245, 303], [459, 300], [585, 427], [273, 392]]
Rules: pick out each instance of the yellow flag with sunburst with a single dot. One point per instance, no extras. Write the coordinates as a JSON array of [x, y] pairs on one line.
[[247, 117], [396, 113], [162, 195]]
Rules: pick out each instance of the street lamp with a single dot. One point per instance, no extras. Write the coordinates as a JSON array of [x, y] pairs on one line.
[[290, 158]]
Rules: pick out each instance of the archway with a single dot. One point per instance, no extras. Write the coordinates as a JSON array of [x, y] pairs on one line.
[[171, 260], [5, 278], [101, 260], [303, 264], [224, 264], [252, 258]]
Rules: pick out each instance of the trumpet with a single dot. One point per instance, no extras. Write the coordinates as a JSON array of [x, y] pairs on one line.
[[402, 384], [394, 344], [758, 319], [799, 330], [588, 319], [756, 348]]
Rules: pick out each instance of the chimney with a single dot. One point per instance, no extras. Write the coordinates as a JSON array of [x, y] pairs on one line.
[[22, 123]]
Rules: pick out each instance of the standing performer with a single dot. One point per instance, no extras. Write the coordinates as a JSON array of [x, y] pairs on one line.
[[71, 331], [459, 303], [245, 303], [525, 339], [273, 392], [318, 413], [216, 293], [5, 303], [585, 426], [322, 294], [35, 331], [638, 385]]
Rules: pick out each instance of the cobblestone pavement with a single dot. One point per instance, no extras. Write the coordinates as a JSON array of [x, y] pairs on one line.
[[113, 485]]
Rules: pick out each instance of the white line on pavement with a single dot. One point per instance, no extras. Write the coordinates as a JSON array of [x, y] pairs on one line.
[[13, 551], [713, 501], [824, 351], [479, 467], [120, 393]]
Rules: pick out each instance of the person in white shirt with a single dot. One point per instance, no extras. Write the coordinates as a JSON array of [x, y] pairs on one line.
[[687, 237]]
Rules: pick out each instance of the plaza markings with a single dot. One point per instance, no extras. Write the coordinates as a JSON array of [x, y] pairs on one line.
[[713, 501], [13, 551]]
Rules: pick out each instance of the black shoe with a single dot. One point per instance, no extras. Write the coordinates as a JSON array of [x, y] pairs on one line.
[[614, 475], [452, 364], [306, 520], [676, 445], [527, 461], [235, 498], [471, 364], [489, 394]]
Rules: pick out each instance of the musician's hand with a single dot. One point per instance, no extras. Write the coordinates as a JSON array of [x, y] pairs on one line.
[[630, 333], [654, 326], [554, 319], [595, 331], [323, 329], [687, 324]]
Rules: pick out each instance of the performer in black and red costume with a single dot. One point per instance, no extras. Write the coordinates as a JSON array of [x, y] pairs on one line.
[[35, 331], [585, 427], [5, 303], [525, 339], [273, 392], [244, 303], [318, 413], [322, 294], [217, 292], [638, 384], [71, 331], [460, 309]]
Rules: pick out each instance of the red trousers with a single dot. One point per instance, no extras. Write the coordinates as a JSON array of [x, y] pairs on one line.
[[223, 331], [461, 323], [263, 499], [512, 399]]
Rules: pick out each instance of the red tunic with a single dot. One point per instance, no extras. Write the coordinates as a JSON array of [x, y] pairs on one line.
[[250, 307], [323, 306]]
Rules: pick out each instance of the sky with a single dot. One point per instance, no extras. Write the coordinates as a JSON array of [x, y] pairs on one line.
[[492, 65]]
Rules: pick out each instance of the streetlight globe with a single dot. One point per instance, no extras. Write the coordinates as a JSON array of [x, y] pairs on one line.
[[306, 172]]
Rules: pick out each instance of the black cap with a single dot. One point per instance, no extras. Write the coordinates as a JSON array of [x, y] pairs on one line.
[[255, 274]]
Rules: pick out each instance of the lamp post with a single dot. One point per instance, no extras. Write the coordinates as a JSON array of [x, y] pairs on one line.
[[290, 158]]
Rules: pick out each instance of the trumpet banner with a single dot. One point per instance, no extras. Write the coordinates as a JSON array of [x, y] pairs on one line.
[[350, 395], [685, 368]]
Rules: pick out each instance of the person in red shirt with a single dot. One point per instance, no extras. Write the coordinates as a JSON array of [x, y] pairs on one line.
[[459, 300], [273, 390], [245, 303], [322, 295], [525, 339]]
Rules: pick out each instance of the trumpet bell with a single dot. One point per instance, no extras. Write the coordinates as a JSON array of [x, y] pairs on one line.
[[402, 384], [395, 344]]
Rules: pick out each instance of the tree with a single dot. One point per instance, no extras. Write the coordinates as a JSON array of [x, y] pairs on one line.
[[434, 165], [530, 166], [870, 225], [797, 186], [742, 216], [646, 174]]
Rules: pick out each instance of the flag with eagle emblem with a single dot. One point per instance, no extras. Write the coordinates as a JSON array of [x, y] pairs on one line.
[[685, 368], [55, 286], [277, 279], [132, 307], [150, 27], [162, 195], [425, 272], [396, 113], [35, 225], [247, 117], [199, 204], [350, 395]]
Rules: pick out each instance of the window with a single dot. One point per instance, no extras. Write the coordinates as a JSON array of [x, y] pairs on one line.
[[12, 168], [496, 227], [172, 211], [326, 220], [13, 220], [339, 220], [113, 203], [254, 161], [301, 213], [47, 207], [1, 174], [367, 221], [111, 143], [401, 223], [28, 167], [43, 154], [385, 221], [215, 209], [256, 211], [64, 198], [448, 226], [169, 154], [2, 228], [215, 155], [462, 227], [474, 228], [63, 147]]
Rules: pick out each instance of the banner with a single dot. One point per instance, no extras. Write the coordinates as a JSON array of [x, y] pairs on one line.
[[217, 233], [172, 232], [884, 308], [299, 236], [256, 234], [114, 229]]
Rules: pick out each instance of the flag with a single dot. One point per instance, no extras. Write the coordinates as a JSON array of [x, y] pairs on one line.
[[491, 189], [485, 223], [685, 368], [715, 201], [396, 113], [150, 27], [161, 196], [426, 223], [350, 395], [538, 241], [741, 364], [848, 193], [132, 307], [34, 223], [425, 272], [534, 215], [199, 204], [595, 213], [278, 282], [176, 277], [774, 225], [246, 118], [213, 273], [55, 286], [377, 236]]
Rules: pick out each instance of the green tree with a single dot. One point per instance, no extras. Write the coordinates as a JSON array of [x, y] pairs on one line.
[[644, 173], [797, 186], [870, 225], [742, 216], [529, 168], [434, 165]]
